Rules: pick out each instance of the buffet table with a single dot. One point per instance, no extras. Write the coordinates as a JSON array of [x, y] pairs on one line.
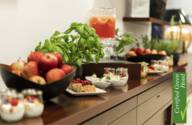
[[69, 110]]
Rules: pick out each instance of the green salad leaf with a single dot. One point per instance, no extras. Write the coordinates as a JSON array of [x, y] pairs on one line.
[[78, 44]]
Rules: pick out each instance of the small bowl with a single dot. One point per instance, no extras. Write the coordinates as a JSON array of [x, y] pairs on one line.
[[49, 91], [121, 82], [97, 82]]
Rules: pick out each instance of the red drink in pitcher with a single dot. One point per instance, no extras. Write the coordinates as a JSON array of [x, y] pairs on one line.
[[104, 26]]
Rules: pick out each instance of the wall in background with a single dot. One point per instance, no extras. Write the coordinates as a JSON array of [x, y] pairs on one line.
[[182, 4], [24, 23]]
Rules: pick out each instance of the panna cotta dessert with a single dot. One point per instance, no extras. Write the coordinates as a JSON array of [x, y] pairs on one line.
[[33, 103], [12, 108]]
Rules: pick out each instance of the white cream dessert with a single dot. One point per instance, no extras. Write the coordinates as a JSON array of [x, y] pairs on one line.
[[12, 108], [12, 113], [117, 78], [33, 103]]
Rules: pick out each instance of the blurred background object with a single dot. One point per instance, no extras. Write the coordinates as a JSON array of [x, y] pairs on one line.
[[157, 8], [179, 14], [180, 28]]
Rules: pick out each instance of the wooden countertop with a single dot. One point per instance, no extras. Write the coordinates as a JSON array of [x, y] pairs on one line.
[[69, 110]]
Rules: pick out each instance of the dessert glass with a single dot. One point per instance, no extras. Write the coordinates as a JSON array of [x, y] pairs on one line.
[[33, 102], [12, 107]]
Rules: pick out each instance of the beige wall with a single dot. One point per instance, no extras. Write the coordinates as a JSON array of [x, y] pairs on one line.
[[23, 23]]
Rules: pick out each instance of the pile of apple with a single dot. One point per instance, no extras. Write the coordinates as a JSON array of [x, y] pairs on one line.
[[142, 51], [42, 68]]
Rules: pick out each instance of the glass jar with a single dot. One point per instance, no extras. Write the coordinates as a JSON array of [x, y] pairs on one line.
[[108, 70], [122, 72], [33, 103], [12, 107]]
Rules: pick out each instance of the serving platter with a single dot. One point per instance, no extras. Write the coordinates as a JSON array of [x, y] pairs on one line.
[[98, 92], [155, 72]]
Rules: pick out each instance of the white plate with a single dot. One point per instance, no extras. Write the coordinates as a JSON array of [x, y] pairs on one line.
[[155, 72], [98, 92]]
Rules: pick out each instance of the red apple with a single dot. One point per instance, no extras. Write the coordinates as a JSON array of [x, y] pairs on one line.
[[59, 58], [19, 65], [38, 79], [30, 69], [147, 51], [47, 62], [67, 68], [35, 56], [139, 51], [54, 75]]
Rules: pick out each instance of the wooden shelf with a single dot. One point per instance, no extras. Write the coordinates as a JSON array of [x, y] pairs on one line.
[[150, 19]]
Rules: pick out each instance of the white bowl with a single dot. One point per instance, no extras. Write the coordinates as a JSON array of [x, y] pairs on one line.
[[98, 82], [119, 82]]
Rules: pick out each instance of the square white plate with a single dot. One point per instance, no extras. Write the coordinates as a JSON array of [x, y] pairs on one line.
[[155, 72], [98, 92]]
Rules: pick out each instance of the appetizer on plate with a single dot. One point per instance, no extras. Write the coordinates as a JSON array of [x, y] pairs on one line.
[[79, 85], [158, 68]]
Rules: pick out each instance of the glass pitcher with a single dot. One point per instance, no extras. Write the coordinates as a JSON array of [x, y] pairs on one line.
[[103, 21], [102, 18]]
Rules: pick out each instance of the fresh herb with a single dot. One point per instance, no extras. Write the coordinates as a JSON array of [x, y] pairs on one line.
[[122, 41], [170, 46], [78, 44]]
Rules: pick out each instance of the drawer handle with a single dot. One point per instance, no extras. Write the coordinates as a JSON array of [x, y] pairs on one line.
[[158, 96]]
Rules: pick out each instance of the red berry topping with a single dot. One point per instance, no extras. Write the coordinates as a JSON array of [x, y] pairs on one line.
[[30, 98], [14, 102], [151, 67]]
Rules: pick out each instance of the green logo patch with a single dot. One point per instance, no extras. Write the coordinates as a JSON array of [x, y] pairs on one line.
[[179, 108]]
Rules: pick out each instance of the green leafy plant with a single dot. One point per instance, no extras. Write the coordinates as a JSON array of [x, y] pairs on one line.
[[170, 46], [122, 41], [78, 44]]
